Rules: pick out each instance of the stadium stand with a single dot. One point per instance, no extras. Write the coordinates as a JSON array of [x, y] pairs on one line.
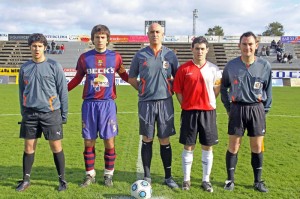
[[126, 50], [297, 50], [182, 50], [288, 48], [14, 53], [70, 56], [218, 54], [226, 52]]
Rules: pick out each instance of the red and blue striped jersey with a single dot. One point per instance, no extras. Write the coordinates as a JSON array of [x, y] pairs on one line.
[[99, 69]]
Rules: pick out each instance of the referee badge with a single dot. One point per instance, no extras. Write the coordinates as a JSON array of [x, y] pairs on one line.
[[166, 64], [257, 85]]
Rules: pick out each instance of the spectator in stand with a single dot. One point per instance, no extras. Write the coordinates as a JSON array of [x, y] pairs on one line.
[[268, 50], [263, 51], [284, 58], [278, 43], [256, 52], [57, 49], [279, 56], [62, 49], [290, 57], [52, 46], [48, 49], [280, 46], [273, 44], [279, 49]]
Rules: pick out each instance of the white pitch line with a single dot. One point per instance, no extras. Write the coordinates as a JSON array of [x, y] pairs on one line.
[[140, 169], [139, 164]]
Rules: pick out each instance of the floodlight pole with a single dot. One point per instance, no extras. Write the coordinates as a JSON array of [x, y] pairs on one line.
[[195, 16]]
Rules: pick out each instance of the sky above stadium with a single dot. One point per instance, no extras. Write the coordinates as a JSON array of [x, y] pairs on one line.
[[127, 17]]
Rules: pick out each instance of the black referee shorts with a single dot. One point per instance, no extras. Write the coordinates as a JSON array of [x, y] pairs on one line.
[[250, 117], [36, 122]]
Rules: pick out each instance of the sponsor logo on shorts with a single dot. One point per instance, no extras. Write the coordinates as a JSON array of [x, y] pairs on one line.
[[113, 124]]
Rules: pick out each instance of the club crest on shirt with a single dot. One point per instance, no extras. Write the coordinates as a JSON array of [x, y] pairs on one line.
[[100, 81], [100, 62]]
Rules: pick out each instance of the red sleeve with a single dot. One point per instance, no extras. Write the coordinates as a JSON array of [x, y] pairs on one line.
[[75, 81], [124, 76], [122, 71], [79, 74]]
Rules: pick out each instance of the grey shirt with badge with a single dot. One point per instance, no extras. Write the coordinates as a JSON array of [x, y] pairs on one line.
[[247, 85], [155, 73], [43, 87]]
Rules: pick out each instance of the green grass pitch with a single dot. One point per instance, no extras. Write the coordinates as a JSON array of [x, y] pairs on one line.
[[281, 170]]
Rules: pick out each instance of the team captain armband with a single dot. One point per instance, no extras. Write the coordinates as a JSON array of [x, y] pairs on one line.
[[217, 82], [218, 78]]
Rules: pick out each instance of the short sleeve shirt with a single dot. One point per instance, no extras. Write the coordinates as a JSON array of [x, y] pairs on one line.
[[155, 73], [196, 85]]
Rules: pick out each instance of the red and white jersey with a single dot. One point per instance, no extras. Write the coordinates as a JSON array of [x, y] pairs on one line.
[[196, 85]]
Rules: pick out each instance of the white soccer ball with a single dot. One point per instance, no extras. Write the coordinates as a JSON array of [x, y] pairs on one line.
[[141, 189]]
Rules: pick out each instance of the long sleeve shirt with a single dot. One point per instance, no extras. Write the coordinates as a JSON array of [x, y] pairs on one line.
[[243, 84], [43, 87]]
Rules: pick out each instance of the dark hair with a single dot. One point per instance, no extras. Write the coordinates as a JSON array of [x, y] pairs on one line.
[[199, 40], [37, 37], [248, 34], [102, 29]]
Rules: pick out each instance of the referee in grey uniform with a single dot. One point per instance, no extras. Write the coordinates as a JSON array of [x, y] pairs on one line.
[[43, 97], [246, 92], [156, 66]]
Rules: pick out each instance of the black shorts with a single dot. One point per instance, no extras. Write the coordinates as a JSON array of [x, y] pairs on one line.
[[247, 116], [36, 122], [202, 122], [159, 112]]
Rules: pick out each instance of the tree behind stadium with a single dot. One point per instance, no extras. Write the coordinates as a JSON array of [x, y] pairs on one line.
[[274, 29]]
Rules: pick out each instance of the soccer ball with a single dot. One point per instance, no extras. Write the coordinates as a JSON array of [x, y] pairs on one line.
[[141, 189]]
